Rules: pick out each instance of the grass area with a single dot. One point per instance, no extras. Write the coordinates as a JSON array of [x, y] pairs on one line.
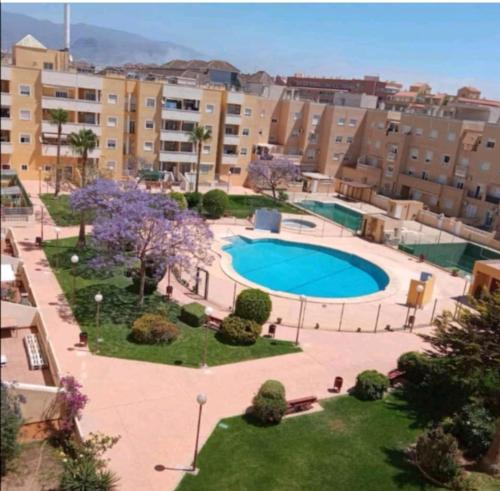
[[241, 206], [119, 310], [37, 467], [349, 446], [60, 210]]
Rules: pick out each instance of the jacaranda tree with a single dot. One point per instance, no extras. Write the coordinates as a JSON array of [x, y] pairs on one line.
[[145, 229], [273, 173], [96, 197]]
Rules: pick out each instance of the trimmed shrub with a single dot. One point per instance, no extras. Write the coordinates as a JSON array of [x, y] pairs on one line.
[[282, 195], [88, 474], [370, 385], [193, 314], [253, 304], [215, 203], [437, 455], [269, 405], [10, 424], [150, 284], [415, 365], [474, 427], [179, 198], [153, 329], [193, 199], [239, 331]]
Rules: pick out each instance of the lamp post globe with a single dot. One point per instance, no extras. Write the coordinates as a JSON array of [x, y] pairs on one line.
[[201, 399], [98, 297], [75, 259], [209, 311]]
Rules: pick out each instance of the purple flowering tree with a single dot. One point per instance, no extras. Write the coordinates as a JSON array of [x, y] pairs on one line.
[[147, 229], [96, 197], [73, 402], [273, 173]]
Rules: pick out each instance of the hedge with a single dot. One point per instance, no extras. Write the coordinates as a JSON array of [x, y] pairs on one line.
[[370, 385], [240, 331], [253, 304], [193, 314], [153, 329], [269, 405], [215, 203]]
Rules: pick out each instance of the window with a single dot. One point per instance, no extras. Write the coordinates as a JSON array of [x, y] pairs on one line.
[[414, 153], [235, 170], [295, 132], [111, 164], [148, 146], [485, 166], [150, 102], [206, 149], [464, 161], [205, 168], [24, 90], [243, 151], [428, 156], [149, 124], [248, 111], [419, 131], [5, 166], [451, 136], [112, 99], [446, 160], [336, 156], [61, 94], [111, 143], [245, 131], [380, 126], [349, 139], [25, 138], [24, 166], [24, 114], [209, 108], [340, 122], [112, 121], [47, 168], [490, 143], [353, 122], [315, 119], [377, 144], [274, 120], [209, 127], [296, 116], [311, 153], [338, 139], [433, 134], [425, 175], [48, 66]]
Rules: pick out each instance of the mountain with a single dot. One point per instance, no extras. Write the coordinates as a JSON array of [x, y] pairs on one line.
[[97, 45]]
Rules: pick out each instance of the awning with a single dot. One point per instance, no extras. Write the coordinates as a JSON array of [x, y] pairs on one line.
[[7, 273], [316, 176]]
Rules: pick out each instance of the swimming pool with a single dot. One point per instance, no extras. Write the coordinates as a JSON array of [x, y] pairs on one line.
[[305, 269], [338, 213], [298, 223]]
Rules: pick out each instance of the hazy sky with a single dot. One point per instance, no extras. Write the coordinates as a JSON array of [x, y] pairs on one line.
[[447, 45]]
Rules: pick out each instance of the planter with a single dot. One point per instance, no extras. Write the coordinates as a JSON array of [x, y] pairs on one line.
[[421, 258], [84, 338], [170, 290], [279, 320], [454, 272]]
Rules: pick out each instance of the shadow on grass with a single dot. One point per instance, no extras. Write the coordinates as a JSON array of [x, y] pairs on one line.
[[408, 474], [403, 403]]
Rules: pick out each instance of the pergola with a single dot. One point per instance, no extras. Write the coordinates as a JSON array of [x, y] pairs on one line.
[[359, 191]]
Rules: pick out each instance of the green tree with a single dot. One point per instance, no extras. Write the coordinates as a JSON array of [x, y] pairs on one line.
[[198, 136], [10, 424], [82, 143], [58, 117]]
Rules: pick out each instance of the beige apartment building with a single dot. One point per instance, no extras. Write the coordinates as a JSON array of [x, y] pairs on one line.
[[452, 164]]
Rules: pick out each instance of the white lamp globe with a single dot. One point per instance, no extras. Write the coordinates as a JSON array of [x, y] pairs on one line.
[[201, 399], [98, 297], [74, 259], [209, 311], [420, 288]]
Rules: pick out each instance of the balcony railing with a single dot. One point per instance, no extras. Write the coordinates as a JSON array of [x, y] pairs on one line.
[[492, 199], [474, 195]]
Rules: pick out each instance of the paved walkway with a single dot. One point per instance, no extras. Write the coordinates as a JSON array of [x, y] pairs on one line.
[[153, 407]]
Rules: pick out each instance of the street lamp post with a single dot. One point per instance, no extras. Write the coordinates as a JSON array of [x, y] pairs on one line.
[[420, 290], [201, 399], [228, 179], [300, 321], [40, 180], [74, 262], [41, 222], [57, 230], [98, 300], [208, 314]]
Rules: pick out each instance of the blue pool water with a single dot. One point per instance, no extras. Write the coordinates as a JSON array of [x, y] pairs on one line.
[[338, 213], [304, 269]]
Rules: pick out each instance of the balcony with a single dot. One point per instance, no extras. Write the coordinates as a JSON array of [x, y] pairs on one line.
[[176, 136], [371, 161], [49, 150], [180, 115], [232, 119], [79, 105], [231, 140], [391, 156], [68, 128], [475, 195], [229, 159], [6, 123], [170, 156], [6, 148], [5, 99], [461, 171]]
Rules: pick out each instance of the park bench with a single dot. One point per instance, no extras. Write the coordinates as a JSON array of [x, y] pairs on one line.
[[214, 323], [34, 352], [301, 404]]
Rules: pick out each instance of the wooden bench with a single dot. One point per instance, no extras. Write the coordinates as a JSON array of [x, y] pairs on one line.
[[35, 356], [214, 323], [298, 405]]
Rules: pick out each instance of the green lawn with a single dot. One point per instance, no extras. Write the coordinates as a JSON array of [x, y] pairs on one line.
[[119, 310], [350, 446], [241, 206], [60, 210]]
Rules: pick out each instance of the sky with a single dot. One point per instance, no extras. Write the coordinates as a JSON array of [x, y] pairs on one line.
[[446, 45]]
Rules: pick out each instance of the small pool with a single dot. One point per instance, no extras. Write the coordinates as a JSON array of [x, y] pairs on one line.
[[305, 269], [339, 214], [297, 223]]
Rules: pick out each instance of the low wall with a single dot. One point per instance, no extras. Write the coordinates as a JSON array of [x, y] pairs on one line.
[[24, 315], [37, 402]]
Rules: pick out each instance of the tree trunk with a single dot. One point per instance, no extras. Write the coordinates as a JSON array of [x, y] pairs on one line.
[[198, 159], [491, 461], [273, 189], [142, 283], [58, 161], [81, 234]]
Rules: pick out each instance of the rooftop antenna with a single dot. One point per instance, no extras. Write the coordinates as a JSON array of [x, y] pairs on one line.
[[67, 27]]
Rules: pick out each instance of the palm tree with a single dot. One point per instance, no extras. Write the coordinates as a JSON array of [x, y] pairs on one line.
[[58, 117], [198, 136], [82, 143]]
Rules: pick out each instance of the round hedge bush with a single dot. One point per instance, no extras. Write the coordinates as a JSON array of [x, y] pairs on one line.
[[269, 405], [179, 198], [236, 330], [215, 203], [370, 385], [193, 199], [253, 304], [153, 329], [415, 365]]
